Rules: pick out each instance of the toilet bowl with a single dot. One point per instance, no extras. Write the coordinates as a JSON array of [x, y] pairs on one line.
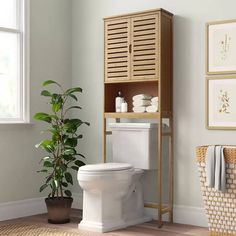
[[112, 196]]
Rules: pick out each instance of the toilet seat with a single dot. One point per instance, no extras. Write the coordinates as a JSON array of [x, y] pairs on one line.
[[106, 167]]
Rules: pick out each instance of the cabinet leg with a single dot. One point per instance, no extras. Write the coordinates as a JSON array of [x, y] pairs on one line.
[[159, 174], [170, 177]]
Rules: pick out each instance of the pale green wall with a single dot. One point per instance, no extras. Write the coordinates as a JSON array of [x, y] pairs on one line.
[[50, 56], [189, 97]]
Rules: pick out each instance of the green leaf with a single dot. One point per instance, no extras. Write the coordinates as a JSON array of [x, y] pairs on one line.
[[42, 171], [53, 131], [64, 184], [79, 154], [47, 145], [43, 116], [73, 107], [73, 96], [46, 158], [68, 157], [56, 183], [71, 125], [46, 93], [79, 163], [55, 137], [54, 117], [47, 164], [47, 82], [49, 178], [71, 142], [69, 178], [70, 151], [87, 123], [73, 90], [43, 187], [53, 186], [56, 107], [75, 168], [68, 193], [63, 167]]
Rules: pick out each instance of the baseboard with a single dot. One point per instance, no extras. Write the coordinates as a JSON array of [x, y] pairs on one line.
[[29, 207], [22, 208], [17, 209], [190, 215], [183, 215]]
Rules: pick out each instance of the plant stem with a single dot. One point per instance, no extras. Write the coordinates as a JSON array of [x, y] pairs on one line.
[[61, 191]]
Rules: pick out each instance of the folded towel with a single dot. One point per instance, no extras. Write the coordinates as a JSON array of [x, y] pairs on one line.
[[154, 103], [140, 109], [152, 109], [210, 166], [141, 102], [215, 168], [219, 169], [141, 96], [154, 99]]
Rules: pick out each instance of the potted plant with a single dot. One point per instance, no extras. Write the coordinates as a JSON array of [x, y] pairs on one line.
[[62, 155]]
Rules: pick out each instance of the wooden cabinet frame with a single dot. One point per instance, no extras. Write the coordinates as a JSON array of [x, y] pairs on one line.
[[155, 79]]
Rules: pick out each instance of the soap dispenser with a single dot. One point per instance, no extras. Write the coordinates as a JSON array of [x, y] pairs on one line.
[[119, 100]]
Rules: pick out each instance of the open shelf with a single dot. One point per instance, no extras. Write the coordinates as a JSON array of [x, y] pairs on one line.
[[132, 115], [128, 90]]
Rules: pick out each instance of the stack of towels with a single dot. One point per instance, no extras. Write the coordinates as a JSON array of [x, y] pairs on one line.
[[154, 105], [145, 103]]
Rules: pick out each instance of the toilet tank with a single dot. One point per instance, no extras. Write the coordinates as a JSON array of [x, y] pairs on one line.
[[135, 143]]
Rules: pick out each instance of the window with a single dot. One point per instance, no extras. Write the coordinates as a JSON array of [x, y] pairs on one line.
[[14, 107]]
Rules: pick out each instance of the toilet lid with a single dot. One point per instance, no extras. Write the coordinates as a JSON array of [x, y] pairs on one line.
[[106, 167]]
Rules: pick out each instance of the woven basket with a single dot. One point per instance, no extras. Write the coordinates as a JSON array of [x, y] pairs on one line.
[[220, 207]]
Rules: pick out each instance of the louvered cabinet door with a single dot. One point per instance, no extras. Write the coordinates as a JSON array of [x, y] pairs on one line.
[[117, 56], [145, 47]]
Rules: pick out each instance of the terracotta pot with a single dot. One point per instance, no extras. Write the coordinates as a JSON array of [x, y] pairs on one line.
[[59, 210]]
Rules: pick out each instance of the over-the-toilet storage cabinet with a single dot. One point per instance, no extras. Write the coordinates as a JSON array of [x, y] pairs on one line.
[[138, 59]]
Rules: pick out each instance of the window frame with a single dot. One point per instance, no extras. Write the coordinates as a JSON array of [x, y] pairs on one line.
[[23, 31]]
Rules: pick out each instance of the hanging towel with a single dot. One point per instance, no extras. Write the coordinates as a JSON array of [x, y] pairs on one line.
[[210, 166], [141, 102], [215, 168], [154, 99], [139, 109], [152, 109], [141, 96], [219, 169]]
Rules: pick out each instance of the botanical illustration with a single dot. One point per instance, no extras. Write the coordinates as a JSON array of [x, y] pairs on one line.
[[221, 47], [221, 96], [224, 102], [225, 46]]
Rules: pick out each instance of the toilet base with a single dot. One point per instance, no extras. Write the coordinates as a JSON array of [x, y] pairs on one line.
[[110, 226]]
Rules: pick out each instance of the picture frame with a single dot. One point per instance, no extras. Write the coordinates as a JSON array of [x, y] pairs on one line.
[[221, 47], [221, 102]]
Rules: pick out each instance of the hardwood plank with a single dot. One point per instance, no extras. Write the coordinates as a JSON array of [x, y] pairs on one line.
[[147, 229]]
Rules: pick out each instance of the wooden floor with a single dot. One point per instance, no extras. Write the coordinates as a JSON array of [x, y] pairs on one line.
[[138, 230]]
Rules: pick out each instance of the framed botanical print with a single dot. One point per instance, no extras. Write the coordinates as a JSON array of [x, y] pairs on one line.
[[221, 47], [221, 102]]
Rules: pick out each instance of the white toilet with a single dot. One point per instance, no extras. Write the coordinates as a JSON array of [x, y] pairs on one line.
[[112, 192]]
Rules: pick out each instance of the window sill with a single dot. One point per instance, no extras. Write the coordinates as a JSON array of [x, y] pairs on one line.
[[16, 123]]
